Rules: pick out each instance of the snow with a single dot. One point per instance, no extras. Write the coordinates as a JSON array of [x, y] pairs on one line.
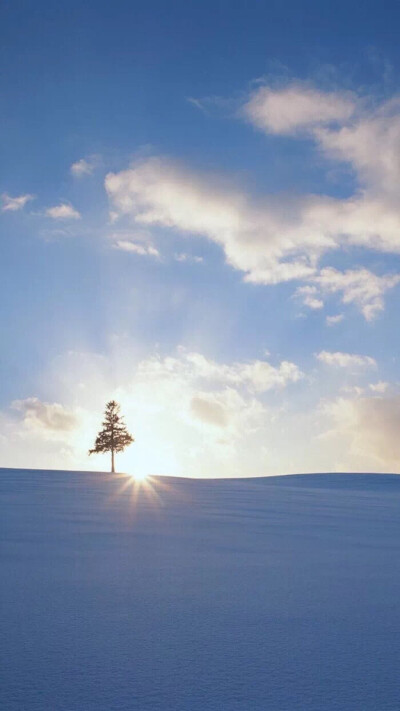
[[274, 594]]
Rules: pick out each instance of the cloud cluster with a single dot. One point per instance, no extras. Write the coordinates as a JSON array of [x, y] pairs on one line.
[[271, 242], [204, 412], [277, 238], [360, 287], [190, 415], [282, 238], [257, 376], [310, 297], [361, 134], [159, 192], [194, 416]]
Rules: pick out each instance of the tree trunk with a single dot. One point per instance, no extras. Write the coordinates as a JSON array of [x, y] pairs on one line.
[[112, 462]]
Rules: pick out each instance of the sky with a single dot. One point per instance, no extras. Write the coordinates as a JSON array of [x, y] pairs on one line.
[[200, 218]]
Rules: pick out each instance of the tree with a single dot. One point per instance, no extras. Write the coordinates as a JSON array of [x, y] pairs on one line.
[[113, 437]]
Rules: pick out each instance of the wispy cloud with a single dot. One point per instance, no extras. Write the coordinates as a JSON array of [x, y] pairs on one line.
[[256, 375], [380, 387], [137, 248], [360, 287], [190, 258], [282, 238], [309, 296], [12, 204], [136, 242], [84, 166], [335, 319], [338, 359]]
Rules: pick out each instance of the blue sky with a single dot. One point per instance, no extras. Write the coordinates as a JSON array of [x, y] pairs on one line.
[[199, 217]]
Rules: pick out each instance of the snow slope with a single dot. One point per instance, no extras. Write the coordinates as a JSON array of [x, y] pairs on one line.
[[240, 595]]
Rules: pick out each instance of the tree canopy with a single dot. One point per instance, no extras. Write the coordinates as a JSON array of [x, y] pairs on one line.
[[114, 436]]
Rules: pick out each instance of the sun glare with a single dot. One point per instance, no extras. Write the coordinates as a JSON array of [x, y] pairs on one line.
[[142, 490], [139, 476]]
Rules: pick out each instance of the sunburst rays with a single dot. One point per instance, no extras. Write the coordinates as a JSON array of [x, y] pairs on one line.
[[141, 490]]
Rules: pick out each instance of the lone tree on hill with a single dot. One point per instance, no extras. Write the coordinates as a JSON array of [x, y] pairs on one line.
[[114, 437]]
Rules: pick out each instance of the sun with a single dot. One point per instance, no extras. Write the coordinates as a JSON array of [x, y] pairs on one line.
[[139, 476]]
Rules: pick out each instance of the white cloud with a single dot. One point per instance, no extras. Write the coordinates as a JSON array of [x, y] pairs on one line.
[[137, 248], [12, 204], [357, 286], [190, 258], [262, 376], [272, 240], [371, 145], [309, 296], [364, 136], [82, 167], [64, 211], [345, 360], [297, 107], [333, 320], [137, 242], [360, 287], [378, 388], [256, 375], [282, 238], [262, 238]]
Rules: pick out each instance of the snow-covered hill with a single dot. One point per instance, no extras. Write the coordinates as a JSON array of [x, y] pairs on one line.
[[192, 595]]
